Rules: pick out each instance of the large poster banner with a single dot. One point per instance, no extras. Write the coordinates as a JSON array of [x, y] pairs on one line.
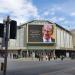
[[41, 33]]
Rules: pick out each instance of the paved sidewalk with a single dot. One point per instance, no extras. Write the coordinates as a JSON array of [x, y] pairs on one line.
[[36, 59], [32, 59], [28, 59]]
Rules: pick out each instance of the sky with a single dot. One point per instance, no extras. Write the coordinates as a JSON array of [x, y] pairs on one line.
[[61, 12]]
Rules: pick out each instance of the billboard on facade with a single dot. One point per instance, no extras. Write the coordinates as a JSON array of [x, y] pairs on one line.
[[41, 33]]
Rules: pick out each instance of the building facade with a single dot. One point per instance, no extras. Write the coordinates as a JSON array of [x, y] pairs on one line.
[[40, 37], [73, 37]]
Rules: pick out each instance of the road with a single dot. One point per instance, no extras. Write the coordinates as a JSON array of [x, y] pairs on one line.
[[56, 67]]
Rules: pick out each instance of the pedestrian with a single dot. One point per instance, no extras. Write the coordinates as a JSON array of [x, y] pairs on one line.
[[49, 57], [54, 57], [39, 57], [46, 57]]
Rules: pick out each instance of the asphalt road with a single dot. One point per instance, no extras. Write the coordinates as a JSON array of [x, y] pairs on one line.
[[56, 67]]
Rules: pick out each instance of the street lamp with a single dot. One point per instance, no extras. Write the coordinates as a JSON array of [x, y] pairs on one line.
[[8, 30], [6, 38]]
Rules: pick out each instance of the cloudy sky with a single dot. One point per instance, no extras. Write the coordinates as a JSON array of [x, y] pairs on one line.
[[61, 12]]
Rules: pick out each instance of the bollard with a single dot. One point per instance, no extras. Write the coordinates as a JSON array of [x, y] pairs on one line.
[[2, 66]]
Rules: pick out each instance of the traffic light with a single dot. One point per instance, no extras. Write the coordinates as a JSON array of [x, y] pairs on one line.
[[1, 30], [13, 29]]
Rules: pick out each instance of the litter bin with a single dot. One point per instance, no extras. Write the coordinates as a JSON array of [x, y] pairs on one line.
[[2, 66]]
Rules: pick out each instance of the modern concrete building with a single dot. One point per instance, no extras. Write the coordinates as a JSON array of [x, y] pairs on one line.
[[41, 37], [73, 37]]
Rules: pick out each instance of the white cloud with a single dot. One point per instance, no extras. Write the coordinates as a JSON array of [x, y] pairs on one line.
[[52, 13], [54, 19], [46, 13], [61, 19], [21, 9], [58, 19], [66, 22], [59, 8], [56, 8], [72, 14]]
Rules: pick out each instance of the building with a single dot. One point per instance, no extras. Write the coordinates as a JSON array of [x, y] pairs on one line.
[[73, 37], [41, 37]]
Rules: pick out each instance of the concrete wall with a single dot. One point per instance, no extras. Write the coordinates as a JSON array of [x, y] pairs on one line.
[[64, 39], [73, 37], [19, 41]]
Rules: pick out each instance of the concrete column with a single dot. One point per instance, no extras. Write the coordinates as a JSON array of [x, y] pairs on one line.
[[53, 53], [8, 55], [54, 56], [33, 54], [21, 53], [67, 54], [27, 53], [12, 55]]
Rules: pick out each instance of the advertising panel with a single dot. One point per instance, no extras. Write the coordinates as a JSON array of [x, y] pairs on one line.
[[41, 33]]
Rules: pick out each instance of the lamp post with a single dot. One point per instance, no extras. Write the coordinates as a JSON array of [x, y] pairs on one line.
[[6, 22]]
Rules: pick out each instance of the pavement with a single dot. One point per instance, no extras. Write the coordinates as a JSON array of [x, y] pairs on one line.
[[29, 66], [36, 59], [31, 59]]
